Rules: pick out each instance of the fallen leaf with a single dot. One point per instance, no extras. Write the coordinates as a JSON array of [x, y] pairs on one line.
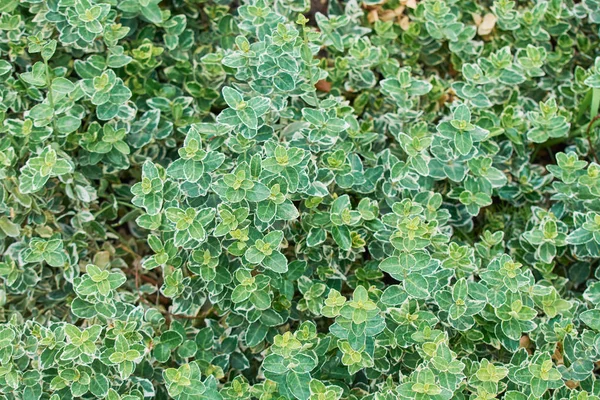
[[389, 15], [525, 343], [487, 24], [410, 3], [572, 384], [323, 86], [373, 16], [404, 23]]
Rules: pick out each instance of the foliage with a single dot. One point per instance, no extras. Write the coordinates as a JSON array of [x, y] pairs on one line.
[[395, 199]]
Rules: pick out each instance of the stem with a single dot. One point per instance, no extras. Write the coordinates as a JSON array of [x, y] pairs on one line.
[[123, 203], [593, 99], [595, 103], [50, 94], [594, 115], [588, 133], [122, 245], [585, 103], [136, 266], [102, 210]]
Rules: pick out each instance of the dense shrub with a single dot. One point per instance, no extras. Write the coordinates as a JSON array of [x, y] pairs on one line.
[[394, 199]]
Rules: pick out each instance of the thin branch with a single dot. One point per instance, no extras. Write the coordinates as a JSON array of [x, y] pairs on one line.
[[589, 137]]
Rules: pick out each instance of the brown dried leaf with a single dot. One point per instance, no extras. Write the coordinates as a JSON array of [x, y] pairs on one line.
[[404, 23], [389, 15], [557, 356], [373, 16], [373, 5], [323, 86], [487, 24], [409, 3], [572, 384], [525, 343]]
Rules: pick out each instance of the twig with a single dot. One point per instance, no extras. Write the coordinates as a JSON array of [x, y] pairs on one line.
[[136, 267], [202, 315], [589, 137], [149, 279]]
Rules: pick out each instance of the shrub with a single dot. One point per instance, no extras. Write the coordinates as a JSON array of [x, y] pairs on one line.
[[395, 199]]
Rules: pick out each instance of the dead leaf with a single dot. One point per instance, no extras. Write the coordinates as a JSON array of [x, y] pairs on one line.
[[409, 3], [525, 343], [487, 24], [557, 356], [389, 15], [373, 5], [572, 384], [373, 16], [323, 86], [404, 23]]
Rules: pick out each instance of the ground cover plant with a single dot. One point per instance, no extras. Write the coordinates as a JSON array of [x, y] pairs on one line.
[[387, 199]]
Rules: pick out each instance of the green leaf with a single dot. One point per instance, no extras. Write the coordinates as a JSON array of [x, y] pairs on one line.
[[392, 266], [591, 318], [546, 252], [99, 385], [261, 300], [341, 235], [9, 228], [255, 334], [107, 111], [248, 117], [258, 192], [41, 112], [298, 384], [462, 113], [152, 12], [394, 295], [232, 97], [284, 82], [579, 236], [62, 86], [276, 262], [538, 386], [254, 256], [512, 329], [274, 363], [416, 286], [68, 124], [463, 142]]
